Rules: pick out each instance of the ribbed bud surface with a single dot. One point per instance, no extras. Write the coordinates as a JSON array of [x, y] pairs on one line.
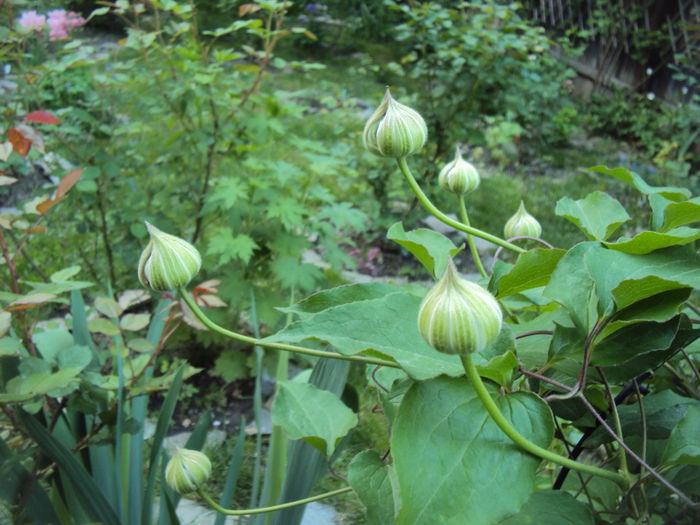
[[522, 223], [167, 262], [459, 176], [458, 316], [394, 130], [187, 470]]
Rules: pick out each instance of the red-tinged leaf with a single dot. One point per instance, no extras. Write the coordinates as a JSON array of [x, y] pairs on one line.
[[210, 286], [41, 117], [20, 307], [245, 9], [210, 301], [20, 144], [32, 135], [46, 205], [67, 183]]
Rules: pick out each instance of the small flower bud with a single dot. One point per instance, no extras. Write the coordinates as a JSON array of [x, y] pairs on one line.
[[394, 130], [167, 262], [187, 470], [522, 224], [458, 316], [459, 176]]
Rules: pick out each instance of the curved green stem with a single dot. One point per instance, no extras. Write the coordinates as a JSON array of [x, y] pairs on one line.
[[464, 217], [246, 512], [428, 205], [521, 440], [278, 346]]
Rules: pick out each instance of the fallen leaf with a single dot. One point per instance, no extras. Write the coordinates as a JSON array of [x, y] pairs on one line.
[[67, 183], [20, 144], [6, 181], [32, 135], [5, 150], [41, 117]]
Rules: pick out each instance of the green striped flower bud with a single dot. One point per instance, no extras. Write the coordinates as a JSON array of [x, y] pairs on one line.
[[187, 470], [167, 262], [458, 316], [394, 130], [459, 176], [522, 224]]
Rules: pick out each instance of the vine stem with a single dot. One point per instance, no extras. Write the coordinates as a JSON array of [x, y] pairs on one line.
[[464, 217], [246, 512], [522, 441], [433, 210], [278, 346]]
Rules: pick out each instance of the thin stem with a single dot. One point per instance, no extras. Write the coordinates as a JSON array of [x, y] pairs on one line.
[[247, 512], [278, 346], [534, 332], [690, 362], [428, 205], [693, 307], [464, 217], [616, 418], [521, 440]]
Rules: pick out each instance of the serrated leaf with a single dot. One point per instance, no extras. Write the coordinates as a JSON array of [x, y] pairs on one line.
[[670, 192], [294, 274], [317, 416], [231, 246], [431, 248], [598, 215], [231, 366], [134, 322], [443, 424], [647, 242]]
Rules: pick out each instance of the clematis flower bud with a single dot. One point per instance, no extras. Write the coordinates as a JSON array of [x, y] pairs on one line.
[[394, 130], [459, 176], [522, 223], [167, 262], [187, 470], [458, 316]]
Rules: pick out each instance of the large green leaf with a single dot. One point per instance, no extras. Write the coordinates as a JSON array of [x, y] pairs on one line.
[[349, 293], [454, 465], [632, 341], [598, 215], [386, 326], [647, 242], [669, 215], [431, 248], [670, 192], [683, 447], [317, 416], [375, 483], [531, 270], [551, 507]]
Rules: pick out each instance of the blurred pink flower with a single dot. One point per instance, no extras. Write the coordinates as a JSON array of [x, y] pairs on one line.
[[61, 22], [32, 20]]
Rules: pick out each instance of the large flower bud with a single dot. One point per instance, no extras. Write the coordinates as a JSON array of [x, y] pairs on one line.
[[459, 316], [167, 262], [187, 470], [459, 176], [522, 224], [394, 130]]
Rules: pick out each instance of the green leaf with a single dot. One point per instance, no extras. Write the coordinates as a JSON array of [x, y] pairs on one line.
[[531, 270], [647, 242], [134, 322], [103, 326], [551, 507], [598, 215], [669, 215], [386, 326], [349, 293], [376, 485], [108, 307], [431, 248], [443, 425], [683, 447], [65, 274], [631, 178], [500, 368], [231, 365], [51, 342], [635, 340], [318, 417], [293, 274], [9, 346], [228, 246], [141, 344], [660, 307]]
